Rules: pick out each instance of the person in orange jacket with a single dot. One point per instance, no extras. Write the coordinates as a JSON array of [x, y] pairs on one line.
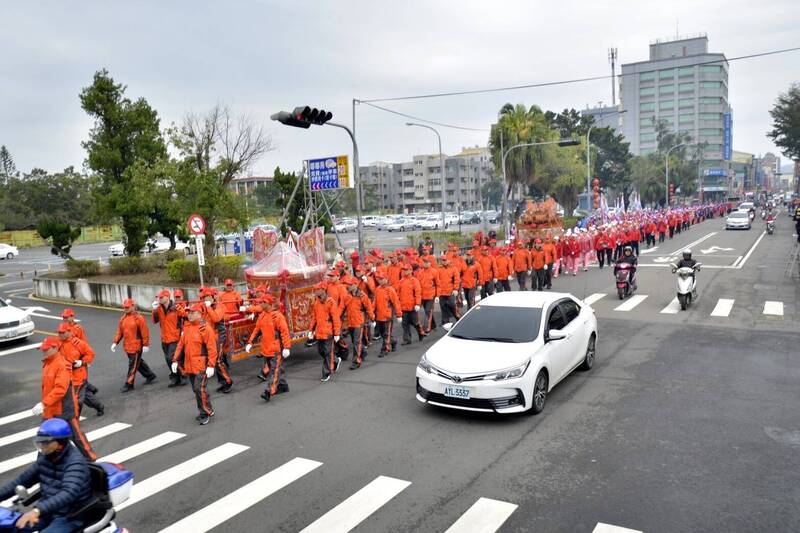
[[230, 300], [132, 330], [165, 314], [538, 266], [89, 398], [80, 355], [273, 350], [428, 277], [470, 280], [326, 328], [449, 282], [393, 270], [279, 318], [505, 270], [366, 286], [488, 270], [196, 357], [410, 295], [550, 254], [521, 260], [387, 305], [214, 317], [357, 307], [59, 398]]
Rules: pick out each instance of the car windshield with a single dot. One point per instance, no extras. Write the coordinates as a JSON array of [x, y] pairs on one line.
[[740, 215], [498, 324]]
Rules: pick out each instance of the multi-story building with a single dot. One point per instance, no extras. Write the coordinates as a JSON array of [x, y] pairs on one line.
[[246, 185], [416, 185], [685, 85], [605, 116], [771, 167]]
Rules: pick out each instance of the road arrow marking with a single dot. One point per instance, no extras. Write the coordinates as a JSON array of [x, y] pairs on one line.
[[648, 250], [715, 249], [664, 259], [36, 309]]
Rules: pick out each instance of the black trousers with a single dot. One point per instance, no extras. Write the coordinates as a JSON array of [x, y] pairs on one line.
[[223, 365], [325, 351], [169, 350], [661, 237], [548, 276], [469, 296], [538, 279], [385, 329], [447, 305], [522, 280], [430, 321], [137, 364], [274, 373], [503, 285], [487, 289], [87, 397], [411, 319], [357, 340], [199, 387]]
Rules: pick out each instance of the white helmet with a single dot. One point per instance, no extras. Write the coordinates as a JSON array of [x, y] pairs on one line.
[[687, 253]]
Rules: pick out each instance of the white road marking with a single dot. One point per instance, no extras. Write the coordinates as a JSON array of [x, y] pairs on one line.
[[36, 308], [693, 244], [723, 307], [773, 308], [632, 302], [648, 250], [715, 249], [16, 417], [607, 528], [673, 308], [169, 477], [243, 498], [20, 349], [357, 508], [22, 435], [99, 433], [485, 516], [750, 251], [58, 318], [142, 448], [592, 298]]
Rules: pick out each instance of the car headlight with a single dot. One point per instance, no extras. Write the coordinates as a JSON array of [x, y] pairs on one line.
[[425, 365], [25, 319], [509, 373]]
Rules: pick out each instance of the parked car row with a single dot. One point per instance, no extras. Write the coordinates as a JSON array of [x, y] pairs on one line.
[[414, 221]]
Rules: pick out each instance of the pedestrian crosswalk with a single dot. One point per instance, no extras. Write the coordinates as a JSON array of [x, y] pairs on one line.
[[723, 307], [485, 515]]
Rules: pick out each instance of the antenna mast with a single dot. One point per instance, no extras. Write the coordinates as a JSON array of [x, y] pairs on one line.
[[612, 58]]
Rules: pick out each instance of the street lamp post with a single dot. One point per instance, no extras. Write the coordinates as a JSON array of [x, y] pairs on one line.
[[666, 174], [588, 154], [441, 166]]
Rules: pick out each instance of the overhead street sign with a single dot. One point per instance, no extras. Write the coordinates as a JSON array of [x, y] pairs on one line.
[[329, 173], [197, 225]]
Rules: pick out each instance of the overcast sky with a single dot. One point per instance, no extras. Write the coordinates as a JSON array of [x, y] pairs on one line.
[[263, 56]]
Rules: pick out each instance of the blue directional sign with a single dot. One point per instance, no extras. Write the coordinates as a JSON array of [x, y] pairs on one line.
[[328, 173], [727, 137]]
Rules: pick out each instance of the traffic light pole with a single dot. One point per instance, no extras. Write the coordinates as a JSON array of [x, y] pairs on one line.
[[356, 182]]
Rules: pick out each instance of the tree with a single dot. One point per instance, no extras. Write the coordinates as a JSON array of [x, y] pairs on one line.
[[265, 196], [611, 160], [215, 148], [570, 123], [124, 142], [565, 171], [684, 161], [7, 167], [785, 132], [60, 234], [492, 192], [647, 177]]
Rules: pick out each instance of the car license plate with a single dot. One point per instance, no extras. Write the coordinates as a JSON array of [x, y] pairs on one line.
[[457, 392]]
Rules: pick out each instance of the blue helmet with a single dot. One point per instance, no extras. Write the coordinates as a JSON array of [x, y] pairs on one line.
[[53, 429]]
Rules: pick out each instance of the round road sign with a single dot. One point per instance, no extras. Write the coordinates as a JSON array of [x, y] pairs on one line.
[[197, 226]]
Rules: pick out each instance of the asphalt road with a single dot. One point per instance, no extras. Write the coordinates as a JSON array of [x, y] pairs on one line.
[[688, 421]]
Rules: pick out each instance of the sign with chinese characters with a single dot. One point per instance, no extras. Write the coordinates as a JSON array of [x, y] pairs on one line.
[[716, 172], [727, 136], [329, 173]]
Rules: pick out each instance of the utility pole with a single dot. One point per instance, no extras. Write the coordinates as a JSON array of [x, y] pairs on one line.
[[612, 58]]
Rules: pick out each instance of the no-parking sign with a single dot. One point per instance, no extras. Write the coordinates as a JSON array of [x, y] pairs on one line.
[[197, 225]]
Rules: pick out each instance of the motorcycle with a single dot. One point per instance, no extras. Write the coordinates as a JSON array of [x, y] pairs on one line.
[[770, 227], [110, 484], [622, 271], [752, 214], [687, 284], [763, 214]]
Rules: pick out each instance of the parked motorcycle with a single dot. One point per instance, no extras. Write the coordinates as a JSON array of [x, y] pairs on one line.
[[622, 272], [687, 284], [110, 484]]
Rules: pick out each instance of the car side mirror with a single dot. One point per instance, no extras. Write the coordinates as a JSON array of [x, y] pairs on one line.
[[556, 335], [447, 326]]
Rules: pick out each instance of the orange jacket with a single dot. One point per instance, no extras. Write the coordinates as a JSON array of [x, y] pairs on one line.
[[72, 350], [78, 332], [325, 319], [488, 268], [133, 329], [385, 299], [503, 264], [230, 301], [472, 276], [393, 272], [428, 281], [56, 385], [538, 259], [167, 320], [213, 314], [355, 307], [282, 324], [198, 346], [269, 329], [337, 291], [409, 293], [449, 280], [521, 258], [550, 254], [367, 287]]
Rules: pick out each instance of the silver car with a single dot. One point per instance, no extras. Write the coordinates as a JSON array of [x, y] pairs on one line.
[[738, 220]]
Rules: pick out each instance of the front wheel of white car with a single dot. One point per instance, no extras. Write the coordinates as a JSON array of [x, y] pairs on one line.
[[588, 359], [539, 396], [9, 255]]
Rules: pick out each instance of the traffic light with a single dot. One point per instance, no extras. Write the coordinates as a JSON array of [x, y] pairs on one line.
[[569, 142], [303, 117]]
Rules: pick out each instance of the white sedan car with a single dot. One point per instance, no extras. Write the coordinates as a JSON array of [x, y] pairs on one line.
[[401, 224], [8, 251], [14, 322], [508, 352], [345, 225]]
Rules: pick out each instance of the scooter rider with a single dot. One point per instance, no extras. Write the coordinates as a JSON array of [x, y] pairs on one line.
[[629, 258], [687, 261], [64, 477]]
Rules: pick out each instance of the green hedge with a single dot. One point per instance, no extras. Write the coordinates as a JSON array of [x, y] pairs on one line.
[[130, 265], [82, 268], [186, 271]]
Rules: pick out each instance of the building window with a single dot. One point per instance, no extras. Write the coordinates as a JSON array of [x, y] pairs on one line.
[[710, 116], [686, 87], [666, 104], [645, 122], [686, 71], [647, 137], [711, 85], [668, 119], [647, 151], [666, 89], [710, 69], [685, 119], [647, 106], [666, 74], [712, 132], [647, 91], [710, 100], [647, 76], [686, 102]]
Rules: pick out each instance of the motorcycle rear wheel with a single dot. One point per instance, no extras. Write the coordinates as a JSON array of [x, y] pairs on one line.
[[683, 299], [621, 293]]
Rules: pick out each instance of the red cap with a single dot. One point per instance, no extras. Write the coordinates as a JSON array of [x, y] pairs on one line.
[[67, 313], [229, 282], [50, 342], [163, 293], [350, 280], [177, 293], [128, 303], [267, 299], [340, 264], [197, 308], [64, 328]]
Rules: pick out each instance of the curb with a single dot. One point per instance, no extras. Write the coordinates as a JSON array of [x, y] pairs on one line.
[[35, 298]]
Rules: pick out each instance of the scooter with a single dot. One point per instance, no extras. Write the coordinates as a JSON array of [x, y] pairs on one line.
[[622, 272], [110, 484], [687, 284], [763, 214], [770, 227]]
